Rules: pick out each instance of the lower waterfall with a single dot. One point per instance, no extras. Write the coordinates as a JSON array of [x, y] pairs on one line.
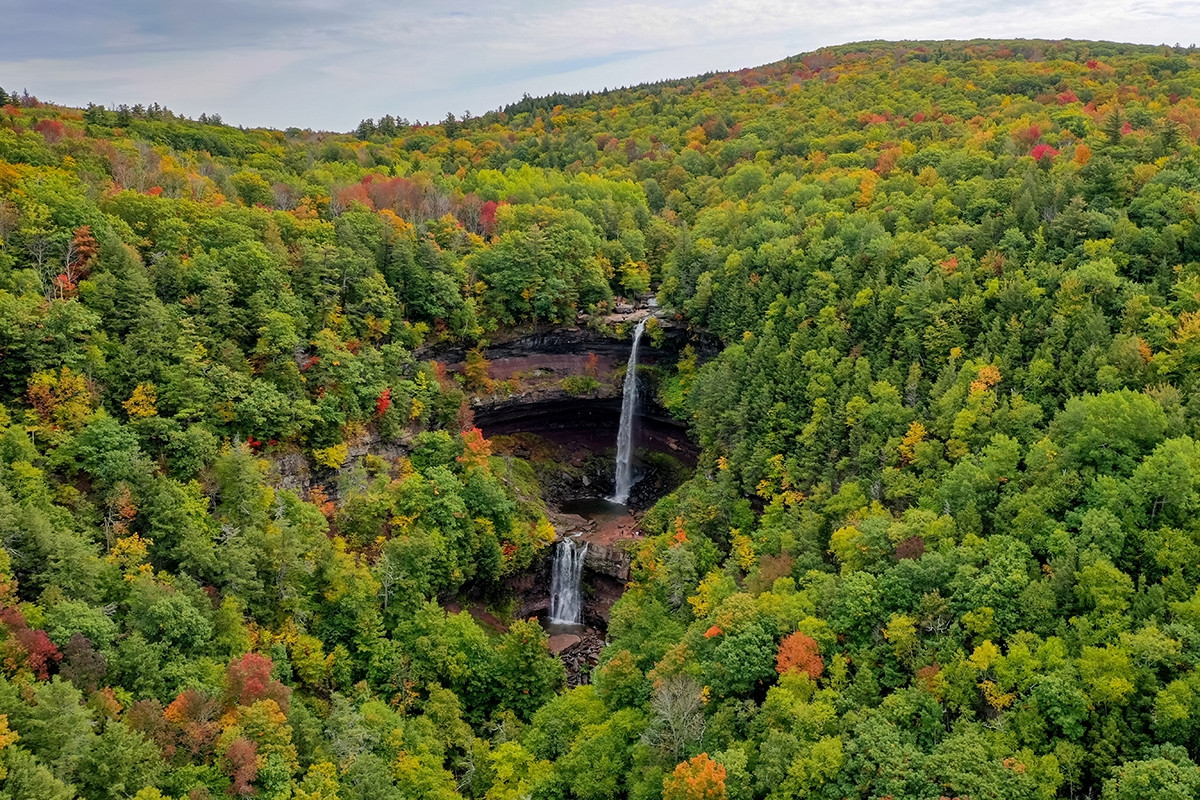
[[566, 594]]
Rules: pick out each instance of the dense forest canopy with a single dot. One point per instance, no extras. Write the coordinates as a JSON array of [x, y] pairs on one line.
[[942, 538]]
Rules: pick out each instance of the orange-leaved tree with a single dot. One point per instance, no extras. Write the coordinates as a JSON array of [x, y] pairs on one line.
[[799, 652], [698, 778]]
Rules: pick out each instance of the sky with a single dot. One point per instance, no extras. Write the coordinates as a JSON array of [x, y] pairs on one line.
[[326, 64]]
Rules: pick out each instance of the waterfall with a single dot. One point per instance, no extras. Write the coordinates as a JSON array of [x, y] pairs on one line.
[[629, 407], [566, 597]]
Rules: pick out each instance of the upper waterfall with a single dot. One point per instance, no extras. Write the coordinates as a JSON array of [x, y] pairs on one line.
[[629, 407]]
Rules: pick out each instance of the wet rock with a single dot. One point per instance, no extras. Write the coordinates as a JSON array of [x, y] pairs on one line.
[[581, 658], [560, 642], [608, 559], [605, 591], [566, 524]]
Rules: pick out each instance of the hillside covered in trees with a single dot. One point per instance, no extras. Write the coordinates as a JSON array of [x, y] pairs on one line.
[[942, 539]]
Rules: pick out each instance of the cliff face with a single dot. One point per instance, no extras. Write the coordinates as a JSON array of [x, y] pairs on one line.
[[583, 423], [608, 559], [296, 472], [606, 337]]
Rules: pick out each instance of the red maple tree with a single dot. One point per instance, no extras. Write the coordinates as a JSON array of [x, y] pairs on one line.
[[383, 402], [248, 679], [799, 652]]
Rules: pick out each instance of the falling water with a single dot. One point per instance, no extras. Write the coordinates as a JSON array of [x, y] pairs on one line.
[[629, 404], [566, 598]]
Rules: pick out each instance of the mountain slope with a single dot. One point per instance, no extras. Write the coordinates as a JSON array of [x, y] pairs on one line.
[[941, 540]]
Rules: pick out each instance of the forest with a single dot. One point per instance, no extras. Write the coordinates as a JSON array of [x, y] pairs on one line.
[[943, 535]]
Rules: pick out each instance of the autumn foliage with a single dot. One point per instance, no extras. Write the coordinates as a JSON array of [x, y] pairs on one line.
[[143, 402], [1043, 151], [50, 129], [476, 371], [241, 765], [192, 716], [476, 449], [941, 307], [988, 377], [248, 679], [799, 652], [698, 778], [487, 217], [25, 647], [383, 402], [61, 399]]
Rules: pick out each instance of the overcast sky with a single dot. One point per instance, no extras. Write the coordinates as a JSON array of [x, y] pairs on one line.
[[326, 64]]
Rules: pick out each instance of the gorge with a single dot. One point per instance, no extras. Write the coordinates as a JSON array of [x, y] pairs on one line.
[[601, 458]]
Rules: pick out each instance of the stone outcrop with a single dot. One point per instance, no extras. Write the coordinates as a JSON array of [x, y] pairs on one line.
[[295, 471], [608, 559]]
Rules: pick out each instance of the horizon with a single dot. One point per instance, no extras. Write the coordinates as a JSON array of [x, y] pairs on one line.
[[216, 112], [274, 65]]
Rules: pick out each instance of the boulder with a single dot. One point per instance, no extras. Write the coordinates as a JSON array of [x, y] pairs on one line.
[[562, 641]]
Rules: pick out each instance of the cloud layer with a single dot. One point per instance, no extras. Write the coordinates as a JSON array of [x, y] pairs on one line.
[[328, 63]]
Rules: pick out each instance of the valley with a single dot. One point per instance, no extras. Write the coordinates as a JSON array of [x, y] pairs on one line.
[[311, 442]]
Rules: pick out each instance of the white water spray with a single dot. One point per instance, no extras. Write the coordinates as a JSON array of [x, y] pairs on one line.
[[566, 596], [629, 407]]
